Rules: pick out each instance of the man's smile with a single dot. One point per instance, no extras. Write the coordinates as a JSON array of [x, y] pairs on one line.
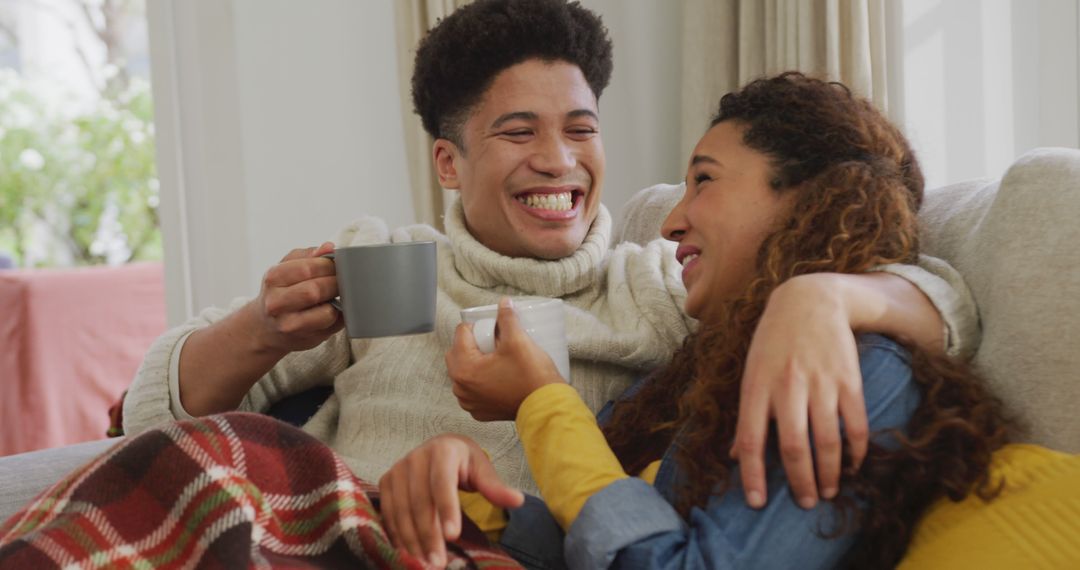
[[552, 204]]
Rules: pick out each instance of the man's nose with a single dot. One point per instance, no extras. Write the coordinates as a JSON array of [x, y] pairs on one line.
[[554, 157]]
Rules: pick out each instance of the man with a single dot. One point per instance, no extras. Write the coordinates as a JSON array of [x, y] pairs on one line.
[[509, 90]]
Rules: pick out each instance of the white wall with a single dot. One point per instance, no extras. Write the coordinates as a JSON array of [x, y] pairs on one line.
[[987, 80], [639, 111], [278, 123]]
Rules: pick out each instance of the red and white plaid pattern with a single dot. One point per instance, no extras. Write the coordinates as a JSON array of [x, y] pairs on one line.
[[228, 491]]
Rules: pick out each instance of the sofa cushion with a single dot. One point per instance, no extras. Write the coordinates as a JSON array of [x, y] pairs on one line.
[[1033, 523], [1015, 242]]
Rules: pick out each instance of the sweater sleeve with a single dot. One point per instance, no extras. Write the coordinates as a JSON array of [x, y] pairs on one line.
[[948, 292], [149, 400], [566, 451]]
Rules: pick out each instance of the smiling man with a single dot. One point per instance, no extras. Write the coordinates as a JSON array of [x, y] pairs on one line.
[[528, 162], [509, 90]]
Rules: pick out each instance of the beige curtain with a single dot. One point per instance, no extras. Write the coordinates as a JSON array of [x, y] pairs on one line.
[[727, 43], [413, 19]]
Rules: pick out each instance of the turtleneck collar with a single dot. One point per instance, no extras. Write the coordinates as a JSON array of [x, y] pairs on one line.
[[482, 267]]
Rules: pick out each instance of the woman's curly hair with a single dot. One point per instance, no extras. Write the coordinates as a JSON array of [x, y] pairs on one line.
[[459, 58], [857, 189]]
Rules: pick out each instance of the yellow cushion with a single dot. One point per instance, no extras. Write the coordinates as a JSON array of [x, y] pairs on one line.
[[1033, 523]]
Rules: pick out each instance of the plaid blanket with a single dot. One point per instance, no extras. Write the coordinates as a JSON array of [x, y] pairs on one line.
[[228, 491]]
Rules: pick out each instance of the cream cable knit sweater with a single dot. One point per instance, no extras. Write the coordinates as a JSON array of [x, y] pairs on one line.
[[623, 312], [624, 317]]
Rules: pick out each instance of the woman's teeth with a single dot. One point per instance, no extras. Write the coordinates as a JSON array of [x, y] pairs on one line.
[[558, 202], [686, 260]]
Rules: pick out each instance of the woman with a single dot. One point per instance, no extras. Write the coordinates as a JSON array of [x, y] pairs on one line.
[[794, 177]]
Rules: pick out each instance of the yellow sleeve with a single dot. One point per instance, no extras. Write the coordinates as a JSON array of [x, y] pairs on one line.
[[567, 452], [488, 518]]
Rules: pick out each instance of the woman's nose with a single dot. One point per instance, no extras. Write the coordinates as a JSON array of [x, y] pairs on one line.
[[675, 224]]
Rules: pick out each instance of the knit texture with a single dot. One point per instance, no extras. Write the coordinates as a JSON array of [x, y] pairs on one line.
[[1033, 523], [623, 318]]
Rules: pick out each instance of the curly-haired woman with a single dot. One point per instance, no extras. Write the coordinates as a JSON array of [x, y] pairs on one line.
[[795, 176]]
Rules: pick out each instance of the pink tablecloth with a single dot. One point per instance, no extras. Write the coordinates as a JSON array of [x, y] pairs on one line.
[[70, 342]]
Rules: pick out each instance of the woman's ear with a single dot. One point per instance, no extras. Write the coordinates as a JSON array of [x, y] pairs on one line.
[[445, 156]]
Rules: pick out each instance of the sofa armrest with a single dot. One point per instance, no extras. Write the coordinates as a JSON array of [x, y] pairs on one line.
[[24, 476]]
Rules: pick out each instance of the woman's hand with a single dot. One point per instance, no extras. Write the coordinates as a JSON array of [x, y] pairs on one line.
[[419, 494], [803, 370], [492, 386]]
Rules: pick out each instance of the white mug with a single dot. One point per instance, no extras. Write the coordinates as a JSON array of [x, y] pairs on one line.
[[542, 318]]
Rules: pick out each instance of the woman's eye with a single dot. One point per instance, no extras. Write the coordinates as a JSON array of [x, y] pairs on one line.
[[701, 177]]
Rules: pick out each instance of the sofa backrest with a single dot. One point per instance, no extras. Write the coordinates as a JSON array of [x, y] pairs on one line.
[[1016, 241]]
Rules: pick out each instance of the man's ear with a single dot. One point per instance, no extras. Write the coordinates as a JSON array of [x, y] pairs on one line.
[[444, 155]]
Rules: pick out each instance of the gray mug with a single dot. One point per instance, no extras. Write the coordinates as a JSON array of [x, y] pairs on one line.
[[386, 289]]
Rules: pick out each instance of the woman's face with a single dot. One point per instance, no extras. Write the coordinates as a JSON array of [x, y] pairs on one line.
[[727, 211]]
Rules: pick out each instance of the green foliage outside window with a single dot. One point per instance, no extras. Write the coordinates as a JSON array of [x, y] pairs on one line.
[[78, 184]]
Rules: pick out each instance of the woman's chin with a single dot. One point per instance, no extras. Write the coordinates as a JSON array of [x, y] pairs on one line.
[[692, 307]]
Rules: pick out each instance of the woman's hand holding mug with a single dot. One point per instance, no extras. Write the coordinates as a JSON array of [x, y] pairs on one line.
[[491, 386]]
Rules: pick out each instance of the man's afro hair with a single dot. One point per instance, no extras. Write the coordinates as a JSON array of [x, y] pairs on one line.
[[459, 58]]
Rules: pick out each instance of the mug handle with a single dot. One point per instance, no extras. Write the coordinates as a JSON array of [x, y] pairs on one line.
[[484, 333], [336, 301]]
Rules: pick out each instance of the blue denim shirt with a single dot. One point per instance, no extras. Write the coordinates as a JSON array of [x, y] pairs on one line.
[[631, 524]]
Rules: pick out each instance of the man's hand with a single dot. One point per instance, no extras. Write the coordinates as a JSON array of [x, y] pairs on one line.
[[291, 311], [803, 370], [419, 498], [221, 362], [492, 386]]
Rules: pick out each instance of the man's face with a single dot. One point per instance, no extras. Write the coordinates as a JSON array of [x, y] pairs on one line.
[[532, 165]]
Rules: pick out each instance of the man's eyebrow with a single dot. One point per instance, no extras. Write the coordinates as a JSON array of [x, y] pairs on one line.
[[523, 115], [578, 113]]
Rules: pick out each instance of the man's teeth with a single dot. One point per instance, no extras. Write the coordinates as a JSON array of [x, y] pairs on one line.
[[560, 202], [686, 260]]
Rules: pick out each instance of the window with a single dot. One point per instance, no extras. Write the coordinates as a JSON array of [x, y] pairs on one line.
[[78, 184]]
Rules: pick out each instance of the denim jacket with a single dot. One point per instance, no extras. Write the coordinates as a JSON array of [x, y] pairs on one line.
[[631, 524]]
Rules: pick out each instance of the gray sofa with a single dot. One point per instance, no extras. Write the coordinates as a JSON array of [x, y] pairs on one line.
[[1015, 240]]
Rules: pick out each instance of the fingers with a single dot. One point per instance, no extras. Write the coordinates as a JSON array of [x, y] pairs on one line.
[[795, 451], [293, 271], [299, 253], [444, 490], [398, 509], [465, 342], [303, 295], [827, 444], [856, 426], [425, 521], [507, 326], [315, 319], [462, 351], [488, 483], [386, 507], [750, 434]]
